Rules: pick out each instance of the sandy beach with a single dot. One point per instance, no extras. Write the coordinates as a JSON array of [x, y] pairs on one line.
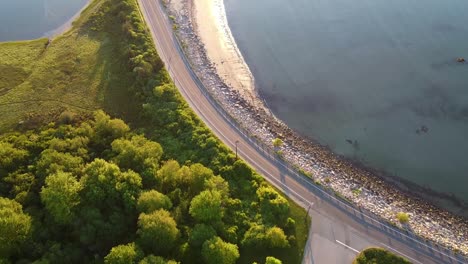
[[211, 25], [204, 33]]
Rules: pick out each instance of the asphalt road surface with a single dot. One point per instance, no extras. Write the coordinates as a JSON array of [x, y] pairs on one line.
[[338, 232]]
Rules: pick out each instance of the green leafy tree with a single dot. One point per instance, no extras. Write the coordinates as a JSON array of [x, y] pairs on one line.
[[167, 175], [60, 195], [62, 252], [274, 207], [124, 254], [108, 204], [11, 157], [21, 186], [272, 260], [137, 154], [260, 236], [200, 234], [184, 178], [107, 129], [240, 169], [151, 259], [200, 174], [76, 144], [207, 207], [276, 238], [52, 161], [255, 236], [15, 227], [219, 184], [157, 231], [216, 251], [152, 200], [105, 185]]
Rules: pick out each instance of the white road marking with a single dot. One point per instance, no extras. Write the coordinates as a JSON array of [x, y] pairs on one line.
[[406, 256], [348, 247]]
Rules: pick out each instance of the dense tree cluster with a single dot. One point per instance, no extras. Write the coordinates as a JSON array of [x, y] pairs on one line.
[[96, 191]]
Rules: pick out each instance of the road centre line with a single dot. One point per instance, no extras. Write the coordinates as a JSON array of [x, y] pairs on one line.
[[348, 247]]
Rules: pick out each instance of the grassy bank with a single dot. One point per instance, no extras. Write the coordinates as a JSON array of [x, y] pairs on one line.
[[81, 71], [107, 61]]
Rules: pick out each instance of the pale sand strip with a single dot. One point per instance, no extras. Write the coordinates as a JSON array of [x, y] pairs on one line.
[[212, 27]]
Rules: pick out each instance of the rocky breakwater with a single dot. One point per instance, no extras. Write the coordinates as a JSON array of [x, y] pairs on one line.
[[356, 184]]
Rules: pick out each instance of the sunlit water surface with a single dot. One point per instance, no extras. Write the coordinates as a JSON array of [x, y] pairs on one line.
[[379, 74]]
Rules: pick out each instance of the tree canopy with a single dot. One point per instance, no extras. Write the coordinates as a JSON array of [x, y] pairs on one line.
[[157, 231], [207, 207], [273, 205], [123, 254], [84, 189], [15, 227], [272, 260], [137, 154], [153, 200], [151, 259], [60, 196], [216, 251], [260, 236], [200, 234]]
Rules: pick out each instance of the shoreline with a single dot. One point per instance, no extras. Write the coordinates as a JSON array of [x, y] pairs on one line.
[[65, 26], [221, 48], [363, 187]]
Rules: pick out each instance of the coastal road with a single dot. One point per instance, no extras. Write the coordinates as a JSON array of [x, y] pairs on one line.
[[338, 232]]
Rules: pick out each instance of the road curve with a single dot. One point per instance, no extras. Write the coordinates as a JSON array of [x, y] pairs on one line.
[[338, 231]]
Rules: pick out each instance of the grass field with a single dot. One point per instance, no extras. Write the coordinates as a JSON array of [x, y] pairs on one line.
[[80, 71]]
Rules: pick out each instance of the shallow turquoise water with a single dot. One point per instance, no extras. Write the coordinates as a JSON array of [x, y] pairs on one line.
[[379, 73], [30, 19]]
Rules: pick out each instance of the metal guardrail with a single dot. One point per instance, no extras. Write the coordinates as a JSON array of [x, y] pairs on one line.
[[369, 218]]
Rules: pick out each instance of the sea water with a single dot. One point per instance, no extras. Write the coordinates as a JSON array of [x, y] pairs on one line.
[[374, 80], [30, 19]]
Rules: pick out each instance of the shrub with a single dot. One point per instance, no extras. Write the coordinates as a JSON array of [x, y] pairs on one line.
[[378, 255], [67, 117], [272, 260], [357, 191], [402, 217], [290, 224], [277, 142]]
